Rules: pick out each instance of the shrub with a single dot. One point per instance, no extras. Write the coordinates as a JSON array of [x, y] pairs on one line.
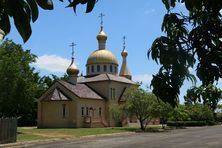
[[186, 123], [219, 117]]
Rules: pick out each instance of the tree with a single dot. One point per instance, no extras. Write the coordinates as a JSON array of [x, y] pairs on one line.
[[193, 39], [117, 113], [47, 81], [162, 111], [141, 104], [195, 113], [210, 95], [18, 81], [179, 114], [199, 112], [25, 11]]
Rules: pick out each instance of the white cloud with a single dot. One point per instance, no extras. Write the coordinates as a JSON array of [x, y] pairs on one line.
[[149, 11], [52, 63], [144, 78], [221, 11]]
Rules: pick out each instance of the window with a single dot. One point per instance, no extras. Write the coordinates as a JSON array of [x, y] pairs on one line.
[[111, 68], [92, 69], [100, 111], [87, 69], [104, 68], [64, 110], [87, 111], [91, 111], [112, 93], [98, 68], [82, 108]]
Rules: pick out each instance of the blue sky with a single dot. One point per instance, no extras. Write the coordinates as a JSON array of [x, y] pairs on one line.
[[54, 31]]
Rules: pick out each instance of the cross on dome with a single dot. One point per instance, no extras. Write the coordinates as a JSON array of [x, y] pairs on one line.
[[124, 42], [72, 45], [101, 17]]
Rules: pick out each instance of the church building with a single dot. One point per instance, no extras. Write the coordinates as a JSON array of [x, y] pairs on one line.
[[83, 101]]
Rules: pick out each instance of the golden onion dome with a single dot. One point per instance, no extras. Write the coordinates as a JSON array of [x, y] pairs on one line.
[[102, 57], [72, 69], [101, 37], [124, 53]]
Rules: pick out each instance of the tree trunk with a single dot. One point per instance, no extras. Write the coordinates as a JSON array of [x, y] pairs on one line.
[[142, 125]]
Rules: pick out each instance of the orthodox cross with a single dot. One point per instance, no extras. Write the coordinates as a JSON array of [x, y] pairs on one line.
[[72, 45], [101, 17], [124, 42]]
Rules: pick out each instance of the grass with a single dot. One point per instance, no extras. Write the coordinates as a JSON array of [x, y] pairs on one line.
[[27, 137], [34, 133]]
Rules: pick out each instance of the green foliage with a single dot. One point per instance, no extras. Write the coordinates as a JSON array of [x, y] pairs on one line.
[[18, 81], [20, 85], [200, 112], [183, 47], [219, 117], [117, 113], [141, 104], [210, 95], [197, 112], [162, 109], [25, 11], [179, 114], [47, 81]]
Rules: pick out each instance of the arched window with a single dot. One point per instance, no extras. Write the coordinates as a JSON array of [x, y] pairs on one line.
[[111, 68], [98, 68], [92, 69], [87, 111], [87, 69], [82, 108], [64, 110], [112, 93], [100, 111], [104, 68]]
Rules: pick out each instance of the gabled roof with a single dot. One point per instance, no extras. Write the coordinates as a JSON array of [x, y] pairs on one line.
[[56, 95], [105, 77], [81, 90]]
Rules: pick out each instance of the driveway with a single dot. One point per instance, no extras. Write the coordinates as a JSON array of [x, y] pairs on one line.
[[196, 137]]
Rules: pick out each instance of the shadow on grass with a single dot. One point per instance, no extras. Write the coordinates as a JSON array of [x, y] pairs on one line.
[[138, 130], [20, 133]]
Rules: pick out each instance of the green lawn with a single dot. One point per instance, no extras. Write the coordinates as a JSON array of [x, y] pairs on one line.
[[33, 133], [26, 137]]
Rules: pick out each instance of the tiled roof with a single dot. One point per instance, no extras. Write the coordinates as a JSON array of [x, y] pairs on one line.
[[56, 95], [81, 90], [105, 77]]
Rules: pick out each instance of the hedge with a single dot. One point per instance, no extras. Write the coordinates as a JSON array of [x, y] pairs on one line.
[[186, 123]]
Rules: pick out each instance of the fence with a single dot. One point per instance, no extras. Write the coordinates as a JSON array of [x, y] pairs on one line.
[[8, 130]]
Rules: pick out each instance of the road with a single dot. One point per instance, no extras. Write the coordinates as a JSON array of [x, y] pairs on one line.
[[197, 137]]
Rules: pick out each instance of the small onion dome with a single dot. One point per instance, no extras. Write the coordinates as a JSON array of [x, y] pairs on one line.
[[102, 57], [72, 69], [101, 37], [124, 53]]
